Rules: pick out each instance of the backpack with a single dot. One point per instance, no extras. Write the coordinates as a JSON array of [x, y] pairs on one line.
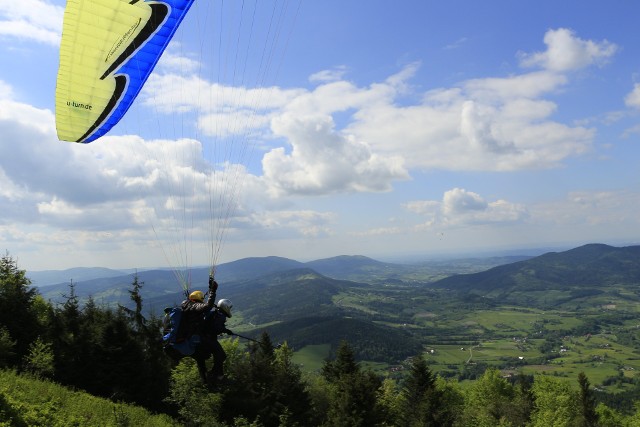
[[176, 338], [175, 318]]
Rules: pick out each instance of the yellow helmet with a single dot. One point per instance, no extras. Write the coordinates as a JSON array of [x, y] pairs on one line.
[[196, 296]]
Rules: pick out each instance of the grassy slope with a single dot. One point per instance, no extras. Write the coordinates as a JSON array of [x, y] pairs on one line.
[[26, 401]]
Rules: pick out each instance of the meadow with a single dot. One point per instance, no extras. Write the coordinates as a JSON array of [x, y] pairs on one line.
[[30, 401]]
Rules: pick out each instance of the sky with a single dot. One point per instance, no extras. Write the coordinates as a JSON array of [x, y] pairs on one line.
[[395, 130]]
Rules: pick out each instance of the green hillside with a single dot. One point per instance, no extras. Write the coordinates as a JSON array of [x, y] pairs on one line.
[[511, 321], [553, 279], [285, 296], [521, 315], [27, 401], [369, 341], [302, 307]]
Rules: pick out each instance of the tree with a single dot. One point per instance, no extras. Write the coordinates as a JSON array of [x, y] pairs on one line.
[[6, 347], [290, 388], [587, 402], [196, 406], [39, 361], [136, 314], [17, 314], [556, 403], [489, 400], [420, 399], [354, 400], [523, 401], [344, 363], [71, 361], [390, 399], [608, 417], [266, 386], [451, 400]]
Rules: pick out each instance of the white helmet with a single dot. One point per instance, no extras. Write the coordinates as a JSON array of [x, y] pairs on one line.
[[225, 306]]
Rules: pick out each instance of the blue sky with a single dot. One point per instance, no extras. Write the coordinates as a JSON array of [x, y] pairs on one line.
[[376, 128]]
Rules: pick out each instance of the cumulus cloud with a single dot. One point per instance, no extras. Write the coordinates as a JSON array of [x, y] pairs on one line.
[[173, 59], [159, 191], [33, 20], [212, 108], [171, 93], [633, 98], [323, 161], [493, 124], [461, 202], [566, 52], [460, 207], [487, 124]]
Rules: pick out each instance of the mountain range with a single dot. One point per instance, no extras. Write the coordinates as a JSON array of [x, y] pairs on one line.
[[586, 271], [110, 286], [373, 304]]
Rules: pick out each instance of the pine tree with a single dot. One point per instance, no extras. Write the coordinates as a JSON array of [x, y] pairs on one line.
[[17, 316], [519, 413], [344, 364], [587, 402], [420, 398], [70, 359], [291, 390], [266, 386], [354, 401], [136, 314]]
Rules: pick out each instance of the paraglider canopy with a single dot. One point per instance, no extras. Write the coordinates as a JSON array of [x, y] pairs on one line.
[[193, 123], [107, 52]]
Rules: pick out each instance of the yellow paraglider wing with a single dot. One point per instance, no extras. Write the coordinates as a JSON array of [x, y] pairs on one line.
[[108, 50]]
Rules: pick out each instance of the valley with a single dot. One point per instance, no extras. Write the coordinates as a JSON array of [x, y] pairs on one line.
[[557, 314]]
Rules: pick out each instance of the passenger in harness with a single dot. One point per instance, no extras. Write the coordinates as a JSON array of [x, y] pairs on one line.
[[214, 325], [191, 329]]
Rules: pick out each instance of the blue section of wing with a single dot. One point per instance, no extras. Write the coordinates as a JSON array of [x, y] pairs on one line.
[[137, 68]]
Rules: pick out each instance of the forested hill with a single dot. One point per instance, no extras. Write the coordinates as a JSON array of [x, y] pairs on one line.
[[593, 265], [112, 286]]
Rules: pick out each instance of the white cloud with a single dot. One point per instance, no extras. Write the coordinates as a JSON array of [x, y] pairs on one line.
[[422, 207], [6, 91], [171, 93], [174, 60], [488, 124], [493, 124], [324, 161], [329, 75], [523, 86], [633, 98], [229, 124], [455, 45], [566, 52], [613, 210], [136, 191], [460, 207], [210, 108], [461, 202], [294, 223], [35, 20]]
